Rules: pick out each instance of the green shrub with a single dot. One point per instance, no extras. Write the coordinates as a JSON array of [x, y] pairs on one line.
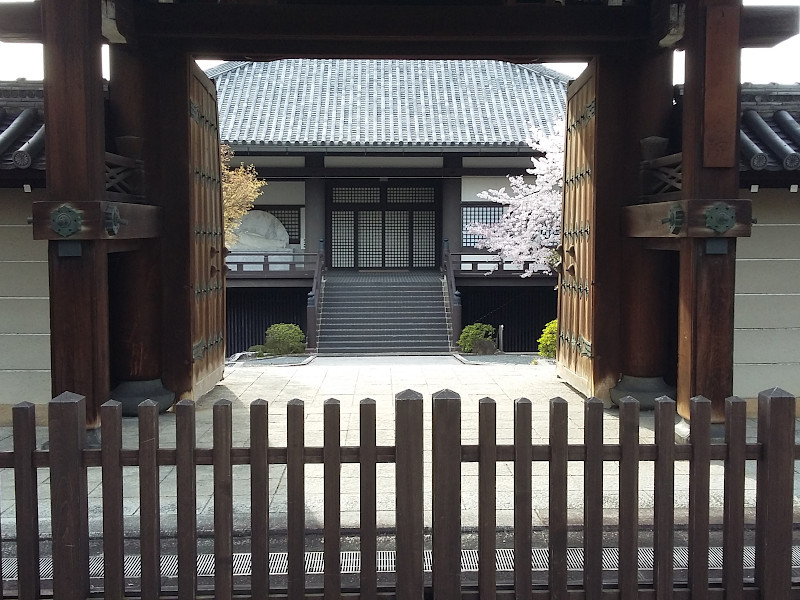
[[258, 349], [476, 331], [549, 339], [284, 338]]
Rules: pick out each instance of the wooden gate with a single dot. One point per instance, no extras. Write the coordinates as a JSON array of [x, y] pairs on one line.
[[206, 257], [576, 281]]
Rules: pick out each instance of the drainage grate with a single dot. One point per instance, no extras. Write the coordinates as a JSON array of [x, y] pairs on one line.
[[386, 560]]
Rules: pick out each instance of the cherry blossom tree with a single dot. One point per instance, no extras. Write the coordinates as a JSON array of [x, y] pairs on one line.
[[528, 232]]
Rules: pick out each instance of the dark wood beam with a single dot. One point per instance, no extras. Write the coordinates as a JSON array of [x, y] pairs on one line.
[[431, 32], [135, 221], [21, 22], [238, 22], [375, 173], [648, 220], [767, 26]]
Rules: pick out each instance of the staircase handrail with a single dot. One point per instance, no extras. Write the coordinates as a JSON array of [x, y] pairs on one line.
[[312, 310], [453, 295]]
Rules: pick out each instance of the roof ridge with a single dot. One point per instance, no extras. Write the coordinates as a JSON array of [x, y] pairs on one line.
[[544, 71], [218, 70]]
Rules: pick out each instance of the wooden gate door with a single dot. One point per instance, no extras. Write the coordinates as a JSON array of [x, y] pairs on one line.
[[206, 251], [576, 280]]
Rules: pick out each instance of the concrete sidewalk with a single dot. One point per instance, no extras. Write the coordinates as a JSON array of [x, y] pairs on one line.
[[350, 379]]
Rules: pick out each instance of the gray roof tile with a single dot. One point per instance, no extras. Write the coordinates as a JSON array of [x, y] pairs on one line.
[[385, 102]]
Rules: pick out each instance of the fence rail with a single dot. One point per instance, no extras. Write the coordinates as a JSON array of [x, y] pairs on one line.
[[68, 461], [279, 264]]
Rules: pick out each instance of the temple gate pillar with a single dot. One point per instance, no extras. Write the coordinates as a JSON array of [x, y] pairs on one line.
[[75, 150], [710, 171]]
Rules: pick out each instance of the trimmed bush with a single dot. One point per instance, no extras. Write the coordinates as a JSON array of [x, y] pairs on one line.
[[284, 338], [549, 339], [471, 333]]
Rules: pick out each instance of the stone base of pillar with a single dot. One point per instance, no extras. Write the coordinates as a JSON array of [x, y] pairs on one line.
[[682, 432], [644, 389], [132, 393]]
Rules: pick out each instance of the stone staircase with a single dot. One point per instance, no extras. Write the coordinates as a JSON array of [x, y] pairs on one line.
[[383, 313]]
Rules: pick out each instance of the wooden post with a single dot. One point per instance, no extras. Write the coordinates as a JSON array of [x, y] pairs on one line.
[[27, 501], [69, 497], [710, 170], [446, 471], [408, 479], [73, 106], [774, 485], [332, 458], [295, 499], [523, 506], [113, 516], [487, 499], [223, 500]]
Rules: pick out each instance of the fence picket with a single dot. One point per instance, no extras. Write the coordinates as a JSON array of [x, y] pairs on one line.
[[186, 472], [523, 460], [487, 499], [446, 471], [113, 521], [733, 518], [332, 458], [295, 499], [69, 503], [664, 492], [27, 501], [408, 481], [699, 478], [223, 500], [368, 500], [259, 498], [628, 498], [593, 500], [776, 431], [149, 501], [557, 542]]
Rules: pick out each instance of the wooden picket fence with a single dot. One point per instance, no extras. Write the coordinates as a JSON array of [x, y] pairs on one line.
[[68, 460]]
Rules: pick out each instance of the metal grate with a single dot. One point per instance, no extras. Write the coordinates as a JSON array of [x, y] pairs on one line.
[[410, 195], [370, 239], [290, 219], [424, 239], [478, 213], [351, 562], [342, 238], [356, 195], [396, 233]]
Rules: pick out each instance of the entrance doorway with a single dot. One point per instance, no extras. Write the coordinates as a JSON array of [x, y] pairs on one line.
[[383, 225]]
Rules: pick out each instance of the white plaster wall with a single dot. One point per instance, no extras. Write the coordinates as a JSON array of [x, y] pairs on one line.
[[767, 305], [24, 305]]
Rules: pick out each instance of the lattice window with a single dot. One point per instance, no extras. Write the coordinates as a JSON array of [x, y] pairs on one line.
[[424, 239], [342, 238], [396, 232], [370, 239], [410, 195], [356, 195], [290, 219], [480, 213]]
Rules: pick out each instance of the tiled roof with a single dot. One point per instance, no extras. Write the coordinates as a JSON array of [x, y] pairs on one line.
[[385, 103], [22, 126], [770, 130]]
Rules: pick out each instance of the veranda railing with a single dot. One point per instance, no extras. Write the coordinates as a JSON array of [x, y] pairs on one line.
[[68, 461]]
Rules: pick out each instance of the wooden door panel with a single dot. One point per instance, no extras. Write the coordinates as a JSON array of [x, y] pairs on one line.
[[206, 255], [575, 301]]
